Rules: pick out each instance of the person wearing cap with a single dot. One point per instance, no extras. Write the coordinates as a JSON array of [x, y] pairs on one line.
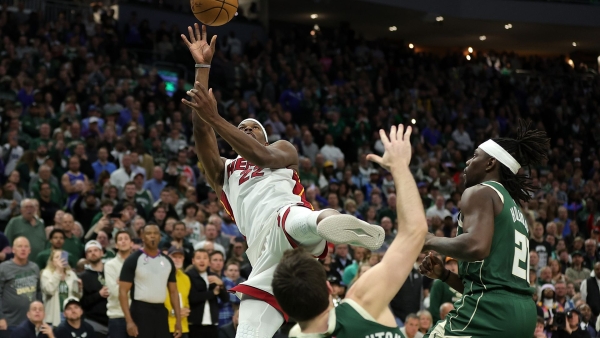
[[338, 289], [577, 273], [184, 285], [441, 292], [95, 291], [330, 151], [94, 116], [73, 326], [34, 326]]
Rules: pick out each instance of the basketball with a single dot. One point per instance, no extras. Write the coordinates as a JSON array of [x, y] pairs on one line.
[[214, 12]]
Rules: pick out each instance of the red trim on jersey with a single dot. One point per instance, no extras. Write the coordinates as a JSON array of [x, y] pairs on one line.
[[260, 295], [225, 202], [299, 190]]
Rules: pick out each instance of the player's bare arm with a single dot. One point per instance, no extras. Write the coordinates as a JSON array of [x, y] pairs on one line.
[[376, 288], [281, 154], [206, 142], [479, 205]]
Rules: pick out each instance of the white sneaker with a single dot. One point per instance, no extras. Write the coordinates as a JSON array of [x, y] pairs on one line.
[[347, 229]]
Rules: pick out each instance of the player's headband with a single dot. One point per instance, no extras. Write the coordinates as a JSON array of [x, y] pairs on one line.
[[260, 124], [496, 151]]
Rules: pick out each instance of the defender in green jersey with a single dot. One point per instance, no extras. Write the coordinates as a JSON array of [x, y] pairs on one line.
[[300, 283], [492, 243]]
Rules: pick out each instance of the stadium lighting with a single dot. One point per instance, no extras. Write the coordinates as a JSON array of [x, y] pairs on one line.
[[393, 28], [439, 18], [314, 16], [411, 46], [413, 121], [468, 57], [574, 44], [317, 28], [482, 38], [508, 26], [313, 33], [470, 49], [570, 62]]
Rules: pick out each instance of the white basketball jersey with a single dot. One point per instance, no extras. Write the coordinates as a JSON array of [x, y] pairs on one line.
[[252, 194]]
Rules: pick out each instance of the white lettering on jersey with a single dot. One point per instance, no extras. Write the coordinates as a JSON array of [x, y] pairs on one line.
[[517, 215]]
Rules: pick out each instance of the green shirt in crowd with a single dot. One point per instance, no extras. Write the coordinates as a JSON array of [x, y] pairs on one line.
[[36, 234]]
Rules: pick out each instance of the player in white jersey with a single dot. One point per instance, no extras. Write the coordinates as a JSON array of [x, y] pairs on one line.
[[261, 191]]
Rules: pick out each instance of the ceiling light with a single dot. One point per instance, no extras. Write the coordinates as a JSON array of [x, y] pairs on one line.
[[482, 38], [317, 28], [312, 33], [574, 44], [508, 26], [413, 121], [393, 28], [470, 49], [411, 46], [469, 57], [439, 18], [570, 62], [314, 16]]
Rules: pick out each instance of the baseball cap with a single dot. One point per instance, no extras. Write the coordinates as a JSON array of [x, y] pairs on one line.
[[92, 244], [328, 164], [92, 108], [333, 280], [173, 250], [448, 259], [334, 181], [131, 128], [93, 119], [577, 253], [69, 301]]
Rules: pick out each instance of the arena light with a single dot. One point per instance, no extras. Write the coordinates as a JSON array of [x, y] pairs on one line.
[[508, 26], [314, 16], [393, 28], [411, 46], [413, 121], [574, 44], [470, 49], [482, 38], [570, 62], [439, 18], [316, 27], [468, 57], [313, 33]]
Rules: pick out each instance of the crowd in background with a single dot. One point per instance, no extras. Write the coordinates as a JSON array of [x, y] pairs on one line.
[[94, 145]]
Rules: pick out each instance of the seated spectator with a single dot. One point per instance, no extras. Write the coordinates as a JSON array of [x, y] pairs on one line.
[[34, 326], [73, 325], [411, 327], [577, 272]]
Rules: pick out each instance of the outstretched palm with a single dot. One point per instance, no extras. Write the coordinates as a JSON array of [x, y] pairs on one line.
[[202, 52]]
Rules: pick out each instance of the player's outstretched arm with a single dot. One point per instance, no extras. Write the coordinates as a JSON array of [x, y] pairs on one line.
[[477, 209], [281, 154], [207, 148], [375, 289]]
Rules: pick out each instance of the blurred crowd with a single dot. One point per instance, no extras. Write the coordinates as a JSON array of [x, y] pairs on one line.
[[93, 145]]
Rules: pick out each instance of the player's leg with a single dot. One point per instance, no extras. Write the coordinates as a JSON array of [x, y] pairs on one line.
[[309, 227], [257, 319]]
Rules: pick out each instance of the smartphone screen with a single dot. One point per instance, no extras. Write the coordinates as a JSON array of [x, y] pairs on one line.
[[64, 256]]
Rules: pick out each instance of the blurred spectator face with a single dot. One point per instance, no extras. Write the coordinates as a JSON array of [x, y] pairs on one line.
[[425, 321], [45, 190], [102, 238], [14, 177], [560, 245], [561, 290], [376, 199], [216, 263], [329, 139], [67, 223], [333, 201], [57, 240], [94, 254], [350, 207], [160, 214], [177, 260], [359, 197], [73, 312], [232, 272], [58, 216], [573, 320], [590, 247], [551, 239], [533, 258], [597, 269], [562, 213], [360, 254], [571, 289], [36, 311], [238, 249], [139, 182], [307, 137], [179, 230], [27, 209], [123, 242], [44, 173], [545, 274], [126, 161], [138, 223], [21, 248], [341, 250], [391, 201], [74, 164], [439, 202], [586, 312], [539, 330], [102, 154], [386, 224], [210, 232], [130, 191], [200, 261], [169, 226], [411, 326], [538, 230], [200, 217], [574, 227]]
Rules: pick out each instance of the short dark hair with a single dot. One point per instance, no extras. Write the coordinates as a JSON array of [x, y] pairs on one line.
[[214, 253], [188, 205], [122, 232], [179, 223], [56, 231], [200, 251], [298, 270]]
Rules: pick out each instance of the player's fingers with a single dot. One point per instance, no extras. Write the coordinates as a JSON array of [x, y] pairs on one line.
[[191, 33], [384, 139], [374, 158], [400, 132], [189, 104], [211, 95], [393, 134], [185, 40], [200, 35], [407, 133], [213, 42]]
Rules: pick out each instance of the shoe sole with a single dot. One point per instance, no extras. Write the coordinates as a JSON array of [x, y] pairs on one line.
[[347, 229]]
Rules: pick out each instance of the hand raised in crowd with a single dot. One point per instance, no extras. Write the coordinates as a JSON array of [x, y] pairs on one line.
[[202, 52]]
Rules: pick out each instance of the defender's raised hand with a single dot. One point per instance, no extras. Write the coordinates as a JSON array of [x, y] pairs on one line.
[[202, 52], [398, 150]]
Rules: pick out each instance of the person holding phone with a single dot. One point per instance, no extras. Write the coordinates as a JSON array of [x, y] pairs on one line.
[[58, 282], [34, 323]]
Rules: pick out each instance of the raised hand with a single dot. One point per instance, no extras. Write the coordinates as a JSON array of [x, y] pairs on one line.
[[203, 101], [398, 150], [202, 52]]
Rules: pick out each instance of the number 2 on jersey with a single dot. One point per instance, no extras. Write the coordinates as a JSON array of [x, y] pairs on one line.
[[256, 172], [521, 255]]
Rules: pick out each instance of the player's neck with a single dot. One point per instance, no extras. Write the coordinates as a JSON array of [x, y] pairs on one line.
[[491, 176], [319, 324]]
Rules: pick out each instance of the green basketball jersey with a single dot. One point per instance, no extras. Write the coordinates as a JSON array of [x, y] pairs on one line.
[[507, 266], [352, 321]]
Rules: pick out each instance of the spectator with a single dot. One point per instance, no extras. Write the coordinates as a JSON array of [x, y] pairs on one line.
[[592, 254], [74, 182], [177, 255], [73, 326], [577, 273], [156, 184], [19, 286], [425, 321], [57, 240], [33, 326], [117, 327], [229, 330], [11, 153], [58, 282], [103, 164], [331, 152], [561, 296], [95, 292], [590, 291], [205, 290], [194, 229], [439, 209], [361, 256], [540, 245], [124, 174], [410, 297], [72, 243], [586, 320], [572, 328], [411, 327], [29, 227], [177, 239], [48, 207]]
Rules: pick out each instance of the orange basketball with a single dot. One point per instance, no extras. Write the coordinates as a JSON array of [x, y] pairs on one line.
[[214, 12]]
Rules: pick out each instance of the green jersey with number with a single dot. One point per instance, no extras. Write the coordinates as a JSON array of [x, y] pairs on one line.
[[507, 266]]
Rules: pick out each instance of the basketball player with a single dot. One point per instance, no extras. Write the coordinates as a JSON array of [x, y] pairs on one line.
[[365, 310], [492, 246], [261, 191]]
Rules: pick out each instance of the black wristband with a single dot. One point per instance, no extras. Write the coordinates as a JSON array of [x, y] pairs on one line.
[[447, 276]]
